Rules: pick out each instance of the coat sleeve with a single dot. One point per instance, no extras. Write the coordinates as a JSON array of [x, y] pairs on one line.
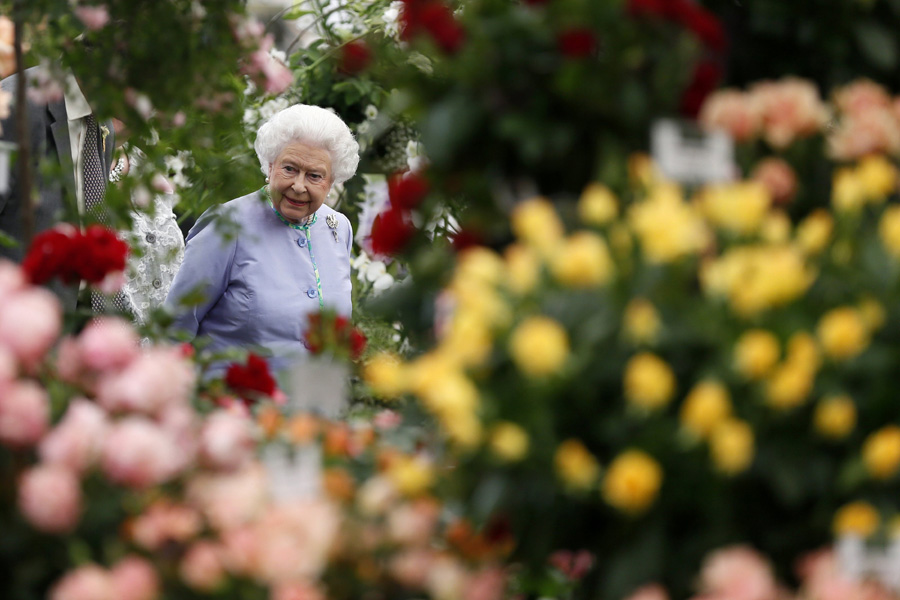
[[204, 273]]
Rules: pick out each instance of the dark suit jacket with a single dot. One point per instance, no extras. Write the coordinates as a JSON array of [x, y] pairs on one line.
[[48, 130]]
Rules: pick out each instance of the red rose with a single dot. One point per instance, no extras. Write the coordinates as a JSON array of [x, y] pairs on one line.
[[577, 42], [438, 20], [705, 26], [252, 378], [391, 231], [706, 78], [466, 238], [356, 56], [407, 191], [100, 253], [357, 343], [50, 255]]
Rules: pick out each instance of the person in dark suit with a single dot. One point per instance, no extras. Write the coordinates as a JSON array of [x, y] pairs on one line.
[[57, 132]]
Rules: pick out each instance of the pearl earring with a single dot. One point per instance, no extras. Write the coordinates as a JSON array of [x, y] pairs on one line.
[[267, 179]]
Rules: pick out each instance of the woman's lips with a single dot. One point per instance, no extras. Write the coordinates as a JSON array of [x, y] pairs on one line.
[[300, 203]]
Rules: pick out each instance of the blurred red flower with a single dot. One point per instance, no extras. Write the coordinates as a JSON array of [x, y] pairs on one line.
[[101, 253], [407, 190], [328, 332], [73, 255], [577, 42], [49, 256], [356, 56], [705, 79], [251, 379], [434, 17], [391, 231]]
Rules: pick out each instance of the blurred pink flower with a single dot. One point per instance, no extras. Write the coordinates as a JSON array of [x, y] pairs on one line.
[[138, 453], [447, 578], [50, 498], [296, 590], [229, 500], [93, 17], [112, 282], [410, 567], [24, 414], [181, 422], [134, 578], [226, 440], [387, 419], [68, 360], [88, 582], [822, 579], [154, 379], [42, 87], [573, 565], [164, 522], [738, 573], [652, 591], [413, 523], [861, 95], [108, 343], [202, 568], [8, 366], [778, 177], [276, 77], [868, 132], [12, 279], [295, 539], [30, 323], [487, 584], [241, 552], [733, 111], [790, 109], [77, 439]]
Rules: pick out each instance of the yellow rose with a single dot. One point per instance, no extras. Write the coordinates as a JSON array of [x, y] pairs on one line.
[[835, 416], [467, 340], [479, 265], [814, 232], [731, 446], [872, 313], [649, 381], [575, 465], [536, 223], [523, 267], [756, 353], [776, 227], [582, 261], [889, 230], [632, 482], [463, 428], [667, 227], [803, 350], [789, 385], [411, 475], [443, 388], [386, 375], [597, 205], [483, 301], [539, 346], [509, 442], [881, 452], [848, 192], [706, 405], [737, 207], [641, 322], [856, 518], [842, 333], [642, 171], [878, 176]]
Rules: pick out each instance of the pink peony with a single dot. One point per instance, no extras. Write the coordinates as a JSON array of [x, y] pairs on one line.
[[154, 379], [138, 453], [226, 441], [778, 177], [134, 578], [88, 582], [164, 522], [738, 573], [93, 17], [202, 568], [649, 592], [77, 439], [24, 414], [30, 322], [732, 111], [50, 498]]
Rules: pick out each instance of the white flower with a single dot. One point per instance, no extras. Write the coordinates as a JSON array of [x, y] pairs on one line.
[[374, 270], [383, 282], [278, 55], [360, 261], [391, 19], [371, 112], [362, 127], [250, 118]]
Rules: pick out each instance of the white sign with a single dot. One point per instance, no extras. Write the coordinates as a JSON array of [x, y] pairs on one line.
[[685, 153], [319, 386], [5, 150], [858, 562]]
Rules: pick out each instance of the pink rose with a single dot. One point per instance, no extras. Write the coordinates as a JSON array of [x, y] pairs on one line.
[[7, 52], [165, 522], [790, 108], [50, 498], [295, 539], [8, 367], [874, 131], [12, 279], [487, 584], [88, 582], [181, 423], [24, 414], [138, 453], [650, 592], [860, 96], [732, 111], [93, 17], [202, 568], [68, 360], [778, 177], [229, 500], [134, 578], [30, 322], [241, 550], [226, 441], [738, 573], [296, 590], [154, 379], [77, 439], [112, 282]]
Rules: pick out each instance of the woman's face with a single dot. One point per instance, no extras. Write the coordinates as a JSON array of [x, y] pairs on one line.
[[299, 180]]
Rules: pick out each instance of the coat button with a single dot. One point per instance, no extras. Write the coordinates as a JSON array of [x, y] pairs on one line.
[[312, 293], [301, 242], [157, 283], [151, 238]]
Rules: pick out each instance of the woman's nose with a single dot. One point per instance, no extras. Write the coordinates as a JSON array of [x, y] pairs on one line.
[[299, 184]]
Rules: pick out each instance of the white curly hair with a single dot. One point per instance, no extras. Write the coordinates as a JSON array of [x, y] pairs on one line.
[[313, 125]]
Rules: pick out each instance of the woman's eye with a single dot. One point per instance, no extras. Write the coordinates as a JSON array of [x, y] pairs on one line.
[[289, 169], [315, 176]]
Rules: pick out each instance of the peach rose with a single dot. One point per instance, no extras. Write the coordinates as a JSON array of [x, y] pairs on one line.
[[296, 590], [732, 111], [870, 132], [411, 567], [860, 96], [77, 439], [50, 498], [790, 109], [487, 584], [295, 539], [109, 343], [778, 177], [138, 453], [24, 414], [653, 591], [134, 578], [226, 440], [738, 573], [88, 582], [202, 567], [413, 523], [156, 378], [229, 500], [30, 322], [165, 522]]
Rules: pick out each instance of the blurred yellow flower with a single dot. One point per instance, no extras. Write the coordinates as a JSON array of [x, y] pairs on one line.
[[707, 404], [856, 518], [386, 375], [536, 223], [479, 265], [632, 482], [509, 441], [889, 230], [835, 416], [848, 191], [736, 207], [467, 340], [756, 353], [576, 466], [642, 171], [582, 261], [776, 227], [649, 382], [464, 428], [443, 388], [667, 227], [789, 385], [523, 267], [732, 446], [802, 350], [842, 333], [539, 346], [620, 240], [597, 205], [872, 312], [878, 176], [482, 301], [881, 452], [641, 322], [411, 475], [814, 232]]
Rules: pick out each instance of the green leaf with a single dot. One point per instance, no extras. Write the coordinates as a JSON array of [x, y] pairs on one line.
[[7, 241], [877, 44], [296, 12]]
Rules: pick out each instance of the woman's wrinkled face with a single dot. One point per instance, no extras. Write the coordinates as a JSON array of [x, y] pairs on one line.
[[299, 180]]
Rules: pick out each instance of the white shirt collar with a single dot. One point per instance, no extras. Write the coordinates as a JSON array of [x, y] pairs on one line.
[[77, 106]]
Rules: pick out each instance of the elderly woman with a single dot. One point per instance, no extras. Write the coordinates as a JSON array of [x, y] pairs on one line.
[[290, 253]]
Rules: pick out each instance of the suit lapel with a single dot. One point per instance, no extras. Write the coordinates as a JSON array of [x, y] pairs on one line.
[[59, 127]]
